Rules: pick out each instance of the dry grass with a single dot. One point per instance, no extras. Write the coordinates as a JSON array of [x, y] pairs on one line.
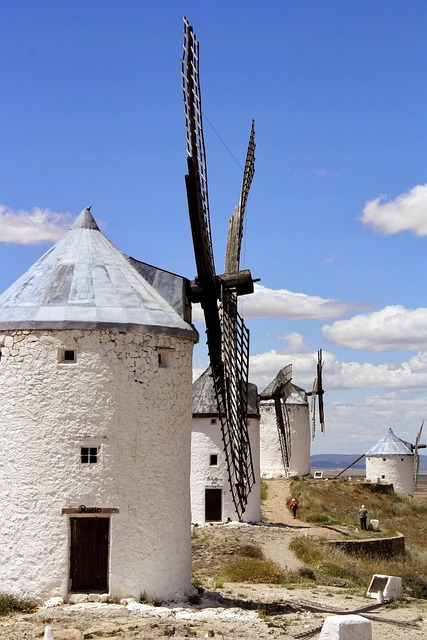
[[222, 554], [337, 503]]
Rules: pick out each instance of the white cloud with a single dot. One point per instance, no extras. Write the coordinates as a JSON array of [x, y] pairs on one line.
[[265, 366], [362, 400], [407, 212], [354, 427], [410, 375], [281, 303], [32, 227], [393, 327]]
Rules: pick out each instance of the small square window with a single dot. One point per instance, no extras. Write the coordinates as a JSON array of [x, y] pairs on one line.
[[382, 477], [213, 459], [213, 420], [165, 358], [89, 455], [67, 355]]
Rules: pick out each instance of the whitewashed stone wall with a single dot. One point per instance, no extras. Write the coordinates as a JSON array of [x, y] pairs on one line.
[[397, 470], [271, 456], [206, 440], [115, 397]]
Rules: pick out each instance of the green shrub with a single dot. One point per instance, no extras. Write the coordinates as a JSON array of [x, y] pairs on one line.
[[250, 551], [306, 572], [418, 585], [251, 570], [10, 604], [320, 518], [264, 490]]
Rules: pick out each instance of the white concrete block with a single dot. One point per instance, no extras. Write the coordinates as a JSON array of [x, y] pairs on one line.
[[351, 627], [48, 633], [390, 587]]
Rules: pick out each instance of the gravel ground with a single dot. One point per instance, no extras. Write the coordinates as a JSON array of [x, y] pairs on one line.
[[232, 612]]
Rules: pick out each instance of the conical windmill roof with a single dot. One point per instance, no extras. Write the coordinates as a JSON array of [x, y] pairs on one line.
[[204, 400], [390, 444], [291, 393], [85, 282]]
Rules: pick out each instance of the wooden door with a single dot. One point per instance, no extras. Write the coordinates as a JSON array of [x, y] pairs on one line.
[[89, 554], [213, 505]]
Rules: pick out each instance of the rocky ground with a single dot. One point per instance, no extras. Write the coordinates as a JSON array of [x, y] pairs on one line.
[[232, 612]]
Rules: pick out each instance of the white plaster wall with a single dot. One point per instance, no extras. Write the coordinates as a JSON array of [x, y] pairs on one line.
[[117, 398], [206, 440], [397, 470], [271, 456]]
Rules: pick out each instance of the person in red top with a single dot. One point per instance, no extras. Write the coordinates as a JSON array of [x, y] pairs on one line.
[[294, 506]]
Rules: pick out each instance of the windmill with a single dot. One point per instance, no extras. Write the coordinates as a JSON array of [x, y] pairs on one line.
[[416, 447], [227, 336], [279, 391]]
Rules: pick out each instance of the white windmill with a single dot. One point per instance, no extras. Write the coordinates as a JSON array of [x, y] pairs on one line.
[[395, 461]]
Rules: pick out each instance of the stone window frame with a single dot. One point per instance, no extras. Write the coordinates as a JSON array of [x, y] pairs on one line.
[[64, 353], [165, 357]]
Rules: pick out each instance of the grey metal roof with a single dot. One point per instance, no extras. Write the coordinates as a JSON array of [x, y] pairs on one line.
[[390, 444], [291, 392], [85, 282], [204, 400]]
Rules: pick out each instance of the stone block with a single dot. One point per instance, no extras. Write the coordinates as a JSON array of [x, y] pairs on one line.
[[350, 627], [389, 586]]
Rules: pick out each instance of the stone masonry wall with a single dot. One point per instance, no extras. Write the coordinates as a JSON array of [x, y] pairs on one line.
[[135, 407]]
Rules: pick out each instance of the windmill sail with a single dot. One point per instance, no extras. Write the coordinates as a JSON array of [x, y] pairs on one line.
[[318, 392], [417, 455], [279, 391], [227, 336], [235, 227]]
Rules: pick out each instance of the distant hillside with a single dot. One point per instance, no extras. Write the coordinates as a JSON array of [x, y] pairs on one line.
[[342, 460]]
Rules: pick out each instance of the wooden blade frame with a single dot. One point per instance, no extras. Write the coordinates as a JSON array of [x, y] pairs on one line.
[[235, 226], [235, 435], [279, 394], [417, 455], [227, 337], [284, 430], [319, 392]]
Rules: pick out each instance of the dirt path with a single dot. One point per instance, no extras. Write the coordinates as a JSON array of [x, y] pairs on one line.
[[275, 508]]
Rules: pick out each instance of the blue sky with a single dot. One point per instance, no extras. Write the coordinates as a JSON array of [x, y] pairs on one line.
[[336, 222]]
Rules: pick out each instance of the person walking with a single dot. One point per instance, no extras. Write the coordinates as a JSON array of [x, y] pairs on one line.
[[294, 506], [363, 514]]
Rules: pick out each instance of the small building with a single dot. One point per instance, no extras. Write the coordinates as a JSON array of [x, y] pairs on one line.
[[211, 498], [95, 424], [298, 414], [391, 461]]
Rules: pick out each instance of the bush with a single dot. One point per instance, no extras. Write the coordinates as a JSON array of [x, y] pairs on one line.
[[320, 518], [417, 583], [306, 572], [11, 604], [252, 570], [251, 551]]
